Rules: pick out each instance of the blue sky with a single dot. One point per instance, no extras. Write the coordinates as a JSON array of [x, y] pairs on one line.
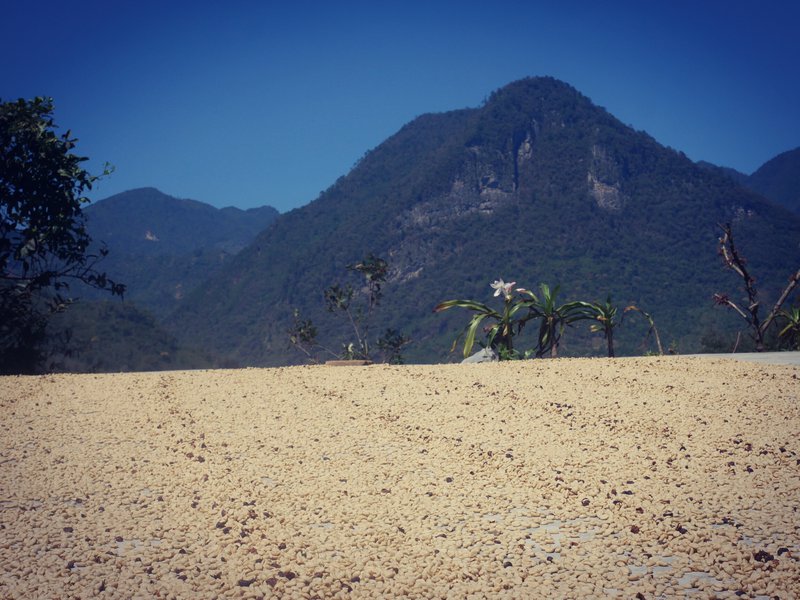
[[247, 103]]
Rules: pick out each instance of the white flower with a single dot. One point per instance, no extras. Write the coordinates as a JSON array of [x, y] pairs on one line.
[[501, 287]]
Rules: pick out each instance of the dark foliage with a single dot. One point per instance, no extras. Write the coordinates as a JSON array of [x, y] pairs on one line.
[[94, 337], [44, 245]]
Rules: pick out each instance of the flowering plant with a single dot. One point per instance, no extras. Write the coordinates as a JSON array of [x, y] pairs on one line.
[[507, 322], [519, 307]]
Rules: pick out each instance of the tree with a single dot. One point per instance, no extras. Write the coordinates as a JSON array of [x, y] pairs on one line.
[[517, 311], [44, 245], [340, 298], [358, 304], [734, 261]]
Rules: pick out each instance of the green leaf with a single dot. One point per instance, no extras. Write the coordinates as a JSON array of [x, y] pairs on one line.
[[469, 304], [469, 341]]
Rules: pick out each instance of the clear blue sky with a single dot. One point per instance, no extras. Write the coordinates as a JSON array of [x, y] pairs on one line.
[[247, 103]]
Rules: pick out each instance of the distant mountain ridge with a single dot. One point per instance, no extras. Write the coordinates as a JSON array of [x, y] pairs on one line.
[[162, 247], [537, 185], [148, 222], [778, 179]]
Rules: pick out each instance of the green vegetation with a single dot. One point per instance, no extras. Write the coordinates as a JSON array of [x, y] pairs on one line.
[[165, 247], [653, 330], [358, 305], [44, 245], [779, 180], [107, 336], [507, 323], [791, 327], [521, 306], [539, 181], [606, 315]]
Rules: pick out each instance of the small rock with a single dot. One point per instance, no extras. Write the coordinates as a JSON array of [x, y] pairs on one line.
[[485, 355]]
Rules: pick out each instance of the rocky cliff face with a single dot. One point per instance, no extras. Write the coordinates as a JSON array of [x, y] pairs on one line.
[[604, 180]]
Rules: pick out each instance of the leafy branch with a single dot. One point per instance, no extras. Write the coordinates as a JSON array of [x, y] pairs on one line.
[[358, 305]]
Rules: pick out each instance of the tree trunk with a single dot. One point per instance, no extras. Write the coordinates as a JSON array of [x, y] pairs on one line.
[[610, 338]]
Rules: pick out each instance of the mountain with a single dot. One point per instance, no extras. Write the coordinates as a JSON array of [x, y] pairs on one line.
[[779, 180], [163, 247], [537, 185]]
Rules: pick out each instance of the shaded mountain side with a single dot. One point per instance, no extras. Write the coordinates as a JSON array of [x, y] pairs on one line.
[[112, 336], [779, 180], [163, 247], [537, 185]]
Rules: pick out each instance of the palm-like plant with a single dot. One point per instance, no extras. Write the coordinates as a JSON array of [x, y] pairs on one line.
[[605, 314], [792, 328], [653, 329], [506, 322], [553, 318]]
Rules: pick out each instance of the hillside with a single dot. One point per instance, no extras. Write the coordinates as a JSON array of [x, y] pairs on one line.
[[537, 185], [112, 336], [779, 180], [163, 247]]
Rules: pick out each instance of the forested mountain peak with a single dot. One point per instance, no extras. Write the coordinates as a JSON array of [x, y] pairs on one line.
[[145, 220], [536, 185]]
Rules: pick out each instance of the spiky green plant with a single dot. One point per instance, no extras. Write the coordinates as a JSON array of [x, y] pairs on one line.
[[791, 331], [605, 313], [500, 335], [553, 318]]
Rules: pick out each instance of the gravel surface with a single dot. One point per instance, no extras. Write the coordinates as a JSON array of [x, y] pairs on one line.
[[573, 478]]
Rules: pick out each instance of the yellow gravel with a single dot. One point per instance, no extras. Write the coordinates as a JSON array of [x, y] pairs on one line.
[[572, 478]]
